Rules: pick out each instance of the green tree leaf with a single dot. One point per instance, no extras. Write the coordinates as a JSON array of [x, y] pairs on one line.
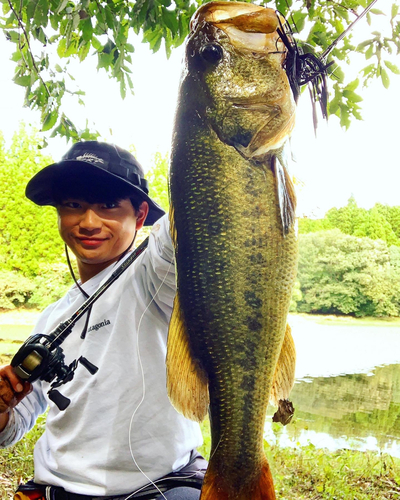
[[50, 120], [393, 68], [24, 81], [385, 78]]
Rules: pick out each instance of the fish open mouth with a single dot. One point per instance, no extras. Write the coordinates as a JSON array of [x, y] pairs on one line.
[[249, 27], [256, 122]]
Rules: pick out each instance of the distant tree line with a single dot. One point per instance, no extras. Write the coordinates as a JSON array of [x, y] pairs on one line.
[[380, 222], [349, 261]]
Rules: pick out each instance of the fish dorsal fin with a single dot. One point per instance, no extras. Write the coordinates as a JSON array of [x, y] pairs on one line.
[[286, 192], [284, 371], [187, 383]]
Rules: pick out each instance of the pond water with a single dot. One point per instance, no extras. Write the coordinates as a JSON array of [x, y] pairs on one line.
[[347, 390]]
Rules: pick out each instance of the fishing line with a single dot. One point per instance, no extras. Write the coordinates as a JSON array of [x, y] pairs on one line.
[[143, 387], [347, 30], [63, 328], [216, 448], [159, 481]]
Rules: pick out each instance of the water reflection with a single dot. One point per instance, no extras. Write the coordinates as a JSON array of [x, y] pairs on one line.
[[332, 348], [353, 410]]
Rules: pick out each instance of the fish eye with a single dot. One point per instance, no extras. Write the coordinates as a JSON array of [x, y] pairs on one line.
[[212, 53]]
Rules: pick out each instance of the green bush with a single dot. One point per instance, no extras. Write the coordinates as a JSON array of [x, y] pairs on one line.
[[343, 274], [296, 296], [15, 290], [52, 282], [49, 285], [28, 233]]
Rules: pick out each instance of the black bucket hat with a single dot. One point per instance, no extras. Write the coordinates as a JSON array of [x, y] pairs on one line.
[[91, 159]]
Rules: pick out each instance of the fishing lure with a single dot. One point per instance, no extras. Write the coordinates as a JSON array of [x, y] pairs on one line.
[[307, 68]]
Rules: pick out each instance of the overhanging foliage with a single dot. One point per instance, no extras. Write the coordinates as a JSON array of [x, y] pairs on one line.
[[46, 34]]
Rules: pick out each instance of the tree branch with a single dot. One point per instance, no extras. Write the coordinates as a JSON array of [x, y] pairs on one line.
[[29, 46], [353, 11], [105, 30]]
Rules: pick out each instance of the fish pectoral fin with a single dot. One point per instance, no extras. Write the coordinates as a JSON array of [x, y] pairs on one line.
[[286, 194], [285, 370], [187, 383]]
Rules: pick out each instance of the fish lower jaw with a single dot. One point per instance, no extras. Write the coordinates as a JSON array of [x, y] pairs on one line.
[[260, 154]]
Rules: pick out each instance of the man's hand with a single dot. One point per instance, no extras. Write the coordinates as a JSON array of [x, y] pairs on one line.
[[12, 389]]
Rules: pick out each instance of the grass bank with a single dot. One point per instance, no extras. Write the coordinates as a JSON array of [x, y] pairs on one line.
[[307, 473], [304, 473], [15, 327]]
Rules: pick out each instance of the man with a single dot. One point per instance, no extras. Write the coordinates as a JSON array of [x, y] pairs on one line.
[[119, 432]]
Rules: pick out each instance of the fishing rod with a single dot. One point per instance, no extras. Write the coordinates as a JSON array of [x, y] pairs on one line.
[[41, 356], [347, 30]]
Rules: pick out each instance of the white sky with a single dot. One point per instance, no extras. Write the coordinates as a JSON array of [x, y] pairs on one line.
[[363, 161]]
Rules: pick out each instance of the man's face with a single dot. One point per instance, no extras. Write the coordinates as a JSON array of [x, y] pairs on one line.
[[98, 233]]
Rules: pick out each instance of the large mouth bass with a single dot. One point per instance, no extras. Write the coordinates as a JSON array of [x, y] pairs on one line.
[[232, 223]]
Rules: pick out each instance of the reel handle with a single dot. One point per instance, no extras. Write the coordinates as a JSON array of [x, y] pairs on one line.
[[62, 402]]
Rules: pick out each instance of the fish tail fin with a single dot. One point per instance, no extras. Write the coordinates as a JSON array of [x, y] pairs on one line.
[[216, 487]]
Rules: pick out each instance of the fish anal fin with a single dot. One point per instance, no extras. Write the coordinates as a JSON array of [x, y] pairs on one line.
[[216, 486], [285, 370], [187, 383]]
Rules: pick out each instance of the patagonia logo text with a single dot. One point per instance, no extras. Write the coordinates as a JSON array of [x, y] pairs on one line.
[[99, 325]]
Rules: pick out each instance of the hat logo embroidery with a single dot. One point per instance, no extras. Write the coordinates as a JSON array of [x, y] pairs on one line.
[[92, 158]]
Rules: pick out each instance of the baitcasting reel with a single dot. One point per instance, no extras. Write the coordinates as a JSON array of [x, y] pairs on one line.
[[41, 357]]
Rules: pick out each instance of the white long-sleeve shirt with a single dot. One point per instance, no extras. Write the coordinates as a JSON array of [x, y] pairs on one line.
[[120, 420]]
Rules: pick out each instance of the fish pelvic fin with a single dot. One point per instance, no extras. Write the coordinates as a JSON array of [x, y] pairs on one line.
[[286, 193], [187, 383], [285, 369], [216, 486]]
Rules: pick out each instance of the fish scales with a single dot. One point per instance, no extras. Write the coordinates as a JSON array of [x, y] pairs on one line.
[[235, 264], [237, 288]]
